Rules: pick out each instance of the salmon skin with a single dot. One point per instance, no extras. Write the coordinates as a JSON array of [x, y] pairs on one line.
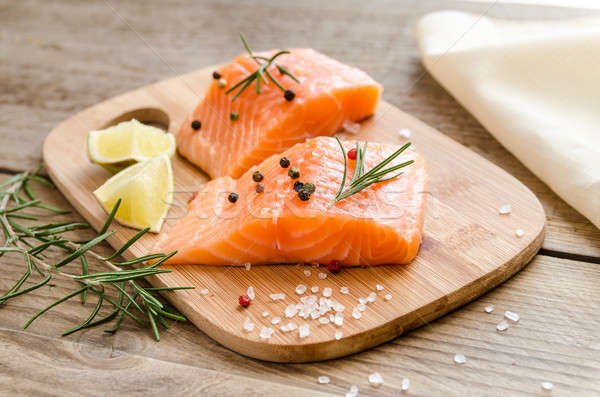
[[329, 93], [381, 224]]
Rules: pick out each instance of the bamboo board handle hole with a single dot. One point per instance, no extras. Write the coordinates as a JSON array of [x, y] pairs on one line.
[[150, 116]]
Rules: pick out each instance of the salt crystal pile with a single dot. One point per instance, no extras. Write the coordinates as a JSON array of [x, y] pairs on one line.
[[300, 289], [248, 325], [379, 287], [502, 326], [489, 308], [322, 276], [265, 313], [304, 330], [353, 392], [519, 233], [314, 289], [323, 379], [307, 273], [327, 292], [290, 311], [547, 386], [250, 292], [505, 209], [460, 359], [248, 265], [376, 379], [275, 320], [350, 127], [344, 290], [404, 133], [388, 297], [277, 297], [405, 384], [204, 291], [338, 335], [512, 316], [266, 332]]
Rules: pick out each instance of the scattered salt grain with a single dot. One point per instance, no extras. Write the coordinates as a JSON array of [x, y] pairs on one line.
[[323, 320], [331, 318], [372, 297], [344, 290], [248, 325], [505, 209], [304, 330], [247, 265], [307, 273], [327, 292], [356, 313], [376, 379], [265, 313], [266, 332], [547, 386], [489, 308], [379, 287], [338, 307], [352, 128], [290, 311], [363, 300], [338, 319], [353, 392], [361, 307], [204, 291], [250, 292], [460, 359], [323, 379], [404, 133], [519, 232], [388, 297], [322, 276], [277, 297], [288, 327], [275, 320], [512, 316], [314, 289], [300, 289], [405, 384], [502, 326], [338, 335]]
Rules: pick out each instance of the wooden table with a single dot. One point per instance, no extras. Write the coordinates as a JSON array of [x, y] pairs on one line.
[[62, 56]]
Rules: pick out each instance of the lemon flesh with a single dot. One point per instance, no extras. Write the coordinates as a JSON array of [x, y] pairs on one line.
[[145, 190], [127, 143]]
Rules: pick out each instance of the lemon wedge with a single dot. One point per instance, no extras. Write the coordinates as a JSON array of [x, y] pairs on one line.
[[127, 143], [145, 190]]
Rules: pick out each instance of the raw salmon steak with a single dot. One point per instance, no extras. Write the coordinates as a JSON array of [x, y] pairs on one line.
[[381, 224], [329, 94]]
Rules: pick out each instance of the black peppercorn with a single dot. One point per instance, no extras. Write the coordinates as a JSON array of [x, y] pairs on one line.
[[309, 187], [294, 173], [257, 176], [298, 186], [304, 195], [260, 188], [196, 125], [233, 116], [289, 95], [233, 197], [216, 75], [284, 162]]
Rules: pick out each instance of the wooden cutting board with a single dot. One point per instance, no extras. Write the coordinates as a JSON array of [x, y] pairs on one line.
[[468, 247]]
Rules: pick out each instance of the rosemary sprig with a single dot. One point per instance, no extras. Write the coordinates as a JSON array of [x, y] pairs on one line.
[[361, 179], [259, 75], [135, 300]]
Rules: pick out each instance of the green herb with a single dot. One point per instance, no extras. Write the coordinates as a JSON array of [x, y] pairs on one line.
[[360, 178], [259, 75], [134, 299]]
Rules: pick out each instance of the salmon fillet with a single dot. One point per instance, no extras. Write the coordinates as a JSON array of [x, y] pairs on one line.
[[329, 93], [382, 224]]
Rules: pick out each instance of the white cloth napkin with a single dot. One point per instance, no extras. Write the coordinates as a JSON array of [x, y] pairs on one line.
[[534, 85]]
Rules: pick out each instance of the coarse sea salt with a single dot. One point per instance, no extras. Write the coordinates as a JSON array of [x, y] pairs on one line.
[[250, 292], [338, 319], [304, 330], [266, 332], [502, 326], [379, 287], [512, 316], [372, 297], [288, 327], [338, 335], [248, 325], [248, 265], [388, 297], [307, 273], [265, 313], [275, 320], [460, 358], [204, 291], [489, 308], [351, 127], [277, 297], [327, 292], [300, 289], [314, 289], [323, 320], [353, 392], [322, 276], [356, 313], [519, 232], [361, 307], [344, 290], [323, 379], [505, 209], [405, 384], [404, 133], [290, 311], [547, 386], [376, 379]]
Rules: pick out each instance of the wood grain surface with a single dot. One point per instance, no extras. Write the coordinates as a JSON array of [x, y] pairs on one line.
[[60, 57], [468, 247]]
